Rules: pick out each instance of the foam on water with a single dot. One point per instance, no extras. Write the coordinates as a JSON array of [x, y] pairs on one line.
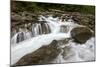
[[33, 44], [77, 52]]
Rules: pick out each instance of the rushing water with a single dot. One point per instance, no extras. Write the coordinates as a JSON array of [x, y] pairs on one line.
[[52, 25], [25, 41]]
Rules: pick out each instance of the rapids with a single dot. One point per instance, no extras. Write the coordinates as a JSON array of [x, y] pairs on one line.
[[24, 41]]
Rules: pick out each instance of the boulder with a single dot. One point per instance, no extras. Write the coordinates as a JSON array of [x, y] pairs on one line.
[[15, 17], [81, 34], [43, 55]]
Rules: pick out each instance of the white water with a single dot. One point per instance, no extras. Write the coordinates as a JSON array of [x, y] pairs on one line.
[[22, 35], [77, 52]]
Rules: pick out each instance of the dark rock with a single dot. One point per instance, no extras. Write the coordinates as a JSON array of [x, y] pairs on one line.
[[21, 19], [41, 22], [87, 20], [56, 15], [15, 17], [81, 34], [43, 55]]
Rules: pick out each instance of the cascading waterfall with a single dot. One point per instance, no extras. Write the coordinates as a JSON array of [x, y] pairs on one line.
[[52, 25], [43, 34], [20, 36], [64, 29], [36, 29], [40, 28]]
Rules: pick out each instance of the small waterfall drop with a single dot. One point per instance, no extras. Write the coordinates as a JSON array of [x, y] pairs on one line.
[[43, 33], [52, 25]]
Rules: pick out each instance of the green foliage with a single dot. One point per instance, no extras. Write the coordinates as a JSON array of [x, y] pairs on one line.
[[36, 7]]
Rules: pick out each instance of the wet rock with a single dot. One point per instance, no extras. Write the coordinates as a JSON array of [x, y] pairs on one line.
[[67, 52], [43, 55], [81, 34], [63, 41]]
